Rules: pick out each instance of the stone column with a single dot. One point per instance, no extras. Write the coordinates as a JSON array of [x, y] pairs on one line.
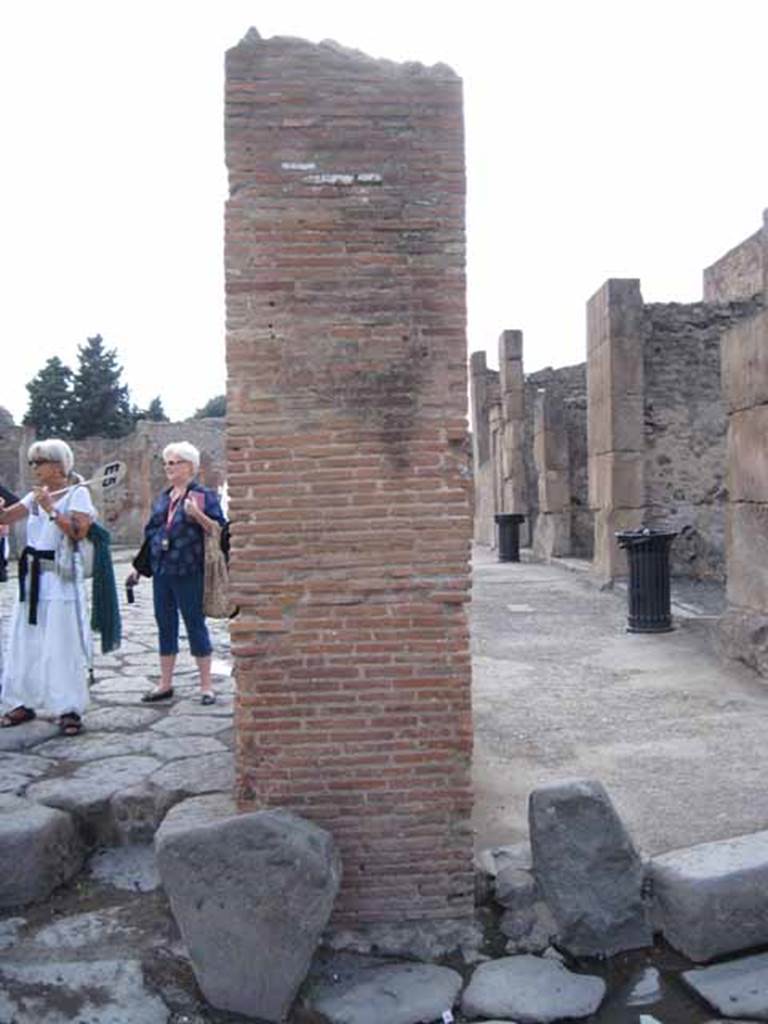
[[744, 627], [552, 537], [615, 418], [478, 386], [482, 465], [512, 388], [347, 464]]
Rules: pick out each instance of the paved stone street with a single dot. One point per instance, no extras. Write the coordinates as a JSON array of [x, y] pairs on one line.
[[561, 690], [104, 948]]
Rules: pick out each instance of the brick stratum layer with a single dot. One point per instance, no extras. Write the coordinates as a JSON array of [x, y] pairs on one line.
[[347, 466]]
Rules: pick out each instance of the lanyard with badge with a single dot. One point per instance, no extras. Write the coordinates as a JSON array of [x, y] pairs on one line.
[[165, 542]]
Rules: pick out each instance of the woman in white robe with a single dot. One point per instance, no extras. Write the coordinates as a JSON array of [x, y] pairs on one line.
[[50, 642]]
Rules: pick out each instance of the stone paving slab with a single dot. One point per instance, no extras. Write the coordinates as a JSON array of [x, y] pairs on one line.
[[734, 988], [107, 991], [27, 736]]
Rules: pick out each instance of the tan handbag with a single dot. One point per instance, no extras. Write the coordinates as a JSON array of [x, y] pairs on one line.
[[216, 603]]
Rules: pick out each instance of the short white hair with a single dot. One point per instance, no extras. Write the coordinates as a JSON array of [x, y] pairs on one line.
[[185, 451], [53, 449]]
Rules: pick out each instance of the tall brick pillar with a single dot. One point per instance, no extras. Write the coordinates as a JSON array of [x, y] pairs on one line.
[[615, 441], [347, 464]]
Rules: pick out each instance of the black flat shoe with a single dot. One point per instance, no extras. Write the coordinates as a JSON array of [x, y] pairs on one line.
[[153, 696], [208, 699]]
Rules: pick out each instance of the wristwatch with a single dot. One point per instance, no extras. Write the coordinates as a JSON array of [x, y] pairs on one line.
[[53, 515]]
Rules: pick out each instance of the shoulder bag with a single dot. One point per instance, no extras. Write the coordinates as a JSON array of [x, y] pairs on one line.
[[216, 602]]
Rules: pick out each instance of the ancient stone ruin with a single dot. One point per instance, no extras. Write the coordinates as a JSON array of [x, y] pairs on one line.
[[744, 628], [347, 466], [643, 421], [125, 509]]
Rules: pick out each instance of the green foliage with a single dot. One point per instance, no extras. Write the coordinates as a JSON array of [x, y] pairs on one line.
[[89, 403], [100, 403], [213, 407], [154, 412], [50, 400]]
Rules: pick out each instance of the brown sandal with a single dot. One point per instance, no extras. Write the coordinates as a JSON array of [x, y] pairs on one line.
[[70, 724], [18, 716]]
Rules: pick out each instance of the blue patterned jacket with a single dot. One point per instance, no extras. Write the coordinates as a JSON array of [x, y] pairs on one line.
[[185, 554]]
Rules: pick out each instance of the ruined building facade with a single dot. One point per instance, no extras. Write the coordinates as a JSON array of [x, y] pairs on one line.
[[643, 421], [529, 443]]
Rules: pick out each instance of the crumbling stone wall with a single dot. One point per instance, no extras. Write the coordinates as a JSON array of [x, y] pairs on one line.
[[507, 477], [738, 274], [657, 424], [124, 510], [347, 463], [684, 425]]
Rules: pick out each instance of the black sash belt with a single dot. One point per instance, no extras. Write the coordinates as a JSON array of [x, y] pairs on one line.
[[34, 584]]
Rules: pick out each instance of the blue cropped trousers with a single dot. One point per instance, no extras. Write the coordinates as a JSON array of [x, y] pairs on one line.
[[180, 594]]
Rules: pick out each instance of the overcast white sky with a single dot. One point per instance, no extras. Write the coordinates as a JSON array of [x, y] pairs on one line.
[[604, 139]]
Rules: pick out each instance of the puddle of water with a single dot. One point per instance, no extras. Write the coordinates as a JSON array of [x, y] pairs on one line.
[[646, 986]]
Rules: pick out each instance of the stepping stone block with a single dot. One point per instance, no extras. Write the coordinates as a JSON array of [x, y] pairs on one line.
[[588, 869], [712, 899], [251, 894], [39, 850], [530, 990], [735, 988]]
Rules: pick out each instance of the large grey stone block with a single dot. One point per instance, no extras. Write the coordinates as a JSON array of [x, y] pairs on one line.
[[530, 990], [588, 869], [251, 894], [712, 899], [400, 994], [737, 988], [39, 850]]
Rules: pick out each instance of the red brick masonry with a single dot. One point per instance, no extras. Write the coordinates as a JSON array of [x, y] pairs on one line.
[[347, 470]]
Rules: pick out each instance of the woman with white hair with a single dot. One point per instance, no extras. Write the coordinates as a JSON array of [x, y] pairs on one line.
[[50, 639], [174, 536]]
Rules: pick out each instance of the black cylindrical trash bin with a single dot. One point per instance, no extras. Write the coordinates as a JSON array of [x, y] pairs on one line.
[[648, 558], [509, 536]]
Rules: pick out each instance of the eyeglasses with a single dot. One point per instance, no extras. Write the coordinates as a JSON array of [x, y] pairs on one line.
[[39, 462], [174, 462]]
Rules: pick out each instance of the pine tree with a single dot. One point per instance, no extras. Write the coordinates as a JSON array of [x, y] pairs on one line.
[[50, 400], [213, 407], [156, 412], [100, 403]]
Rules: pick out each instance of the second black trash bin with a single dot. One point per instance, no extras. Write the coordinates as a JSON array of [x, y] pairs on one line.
[[648, 557], [509, 536]]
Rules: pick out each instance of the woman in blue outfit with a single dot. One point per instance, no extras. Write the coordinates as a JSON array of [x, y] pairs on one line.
[[174, 535]]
